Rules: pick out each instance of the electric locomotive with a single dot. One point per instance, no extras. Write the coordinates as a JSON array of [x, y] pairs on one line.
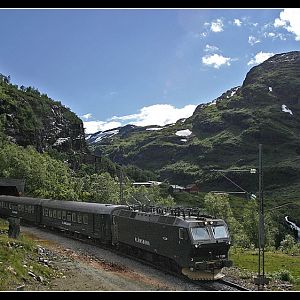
[[180, 239]]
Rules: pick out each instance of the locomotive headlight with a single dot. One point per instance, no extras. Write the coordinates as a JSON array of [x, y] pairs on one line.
[[205, 223], [196, 245]]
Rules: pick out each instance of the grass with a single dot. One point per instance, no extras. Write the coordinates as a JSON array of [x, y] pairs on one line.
[[17, 258], [274, 262]]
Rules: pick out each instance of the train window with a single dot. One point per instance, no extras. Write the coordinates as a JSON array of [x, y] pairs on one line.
[[63, 215], [85, 219], [0, 203], [79, 218], [73, 217], [21, 207], [200, 233], [54, 213], [26, 208], [69, 216], [50, 213], [219, 232], [10, 205], [31, 209], [59, 214], [46, 212]]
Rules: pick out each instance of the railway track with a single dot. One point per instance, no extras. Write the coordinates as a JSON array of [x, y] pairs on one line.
[[218, 285], [233, 285]]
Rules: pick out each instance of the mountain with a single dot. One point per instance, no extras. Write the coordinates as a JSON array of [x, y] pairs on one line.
[[28, 117], [223, 134]]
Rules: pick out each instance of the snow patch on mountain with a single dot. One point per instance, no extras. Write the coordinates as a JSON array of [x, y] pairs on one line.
[[285, 109], [154, 128], [184, 132], [99, 136]]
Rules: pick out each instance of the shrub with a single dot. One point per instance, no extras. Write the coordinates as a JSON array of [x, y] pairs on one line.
[[283, 275], [288, 245]]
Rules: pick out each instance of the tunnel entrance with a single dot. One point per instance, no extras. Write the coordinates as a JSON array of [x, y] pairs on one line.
[[12, 187]]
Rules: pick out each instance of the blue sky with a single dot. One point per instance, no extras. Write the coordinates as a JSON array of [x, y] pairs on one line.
[[139, 66]]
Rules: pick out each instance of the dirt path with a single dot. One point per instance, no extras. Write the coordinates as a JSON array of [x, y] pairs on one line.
[[84, 267]]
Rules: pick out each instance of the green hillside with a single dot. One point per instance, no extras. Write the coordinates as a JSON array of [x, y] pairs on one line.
[[225, 134]]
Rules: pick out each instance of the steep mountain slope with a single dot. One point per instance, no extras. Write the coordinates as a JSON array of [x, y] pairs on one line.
[[30, 118], [224, 133]]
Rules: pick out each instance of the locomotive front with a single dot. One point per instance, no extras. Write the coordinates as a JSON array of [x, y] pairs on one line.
[[182, 240], [209, 245]]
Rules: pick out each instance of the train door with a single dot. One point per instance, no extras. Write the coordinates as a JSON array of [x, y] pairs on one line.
[[99, 226], [115, 232], [164, 240], [38, 213]]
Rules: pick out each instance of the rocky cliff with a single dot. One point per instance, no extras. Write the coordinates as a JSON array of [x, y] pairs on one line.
[[28, 117]]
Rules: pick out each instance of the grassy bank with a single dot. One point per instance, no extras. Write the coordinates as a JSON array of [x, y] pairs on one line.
[[19, 262], [277, 264]]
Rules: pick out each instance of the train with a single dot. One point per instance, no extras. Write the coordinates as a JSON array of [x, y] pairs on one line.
[[185, 241]]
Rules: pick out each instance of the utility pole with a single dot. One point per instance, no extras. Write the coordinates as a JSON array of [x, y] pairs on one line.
[[261, 280], [121, 186]]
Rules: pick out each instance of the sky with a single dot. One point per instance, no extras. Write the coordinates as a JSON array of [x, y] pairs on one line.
[[114, 67]]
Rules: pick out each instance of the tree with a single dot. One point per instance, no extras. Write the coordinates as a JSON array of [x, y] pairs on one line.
[[101, 188], [218, 205], [44, 176], [150, 196]]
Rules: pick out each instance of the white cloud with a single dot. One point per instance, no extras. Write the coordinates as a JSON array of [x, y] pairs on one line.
[[253, 40], [209, 48], [217, 26], [260, 57], [279, 23], [289, 19], [275, 35], [216, 60], [86, 116], [237, 22], [94, 126], [157, 114]]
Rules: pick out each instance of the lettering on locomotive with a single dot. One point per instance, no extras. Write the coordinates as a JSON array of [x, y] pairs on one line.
[[141, 241]]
